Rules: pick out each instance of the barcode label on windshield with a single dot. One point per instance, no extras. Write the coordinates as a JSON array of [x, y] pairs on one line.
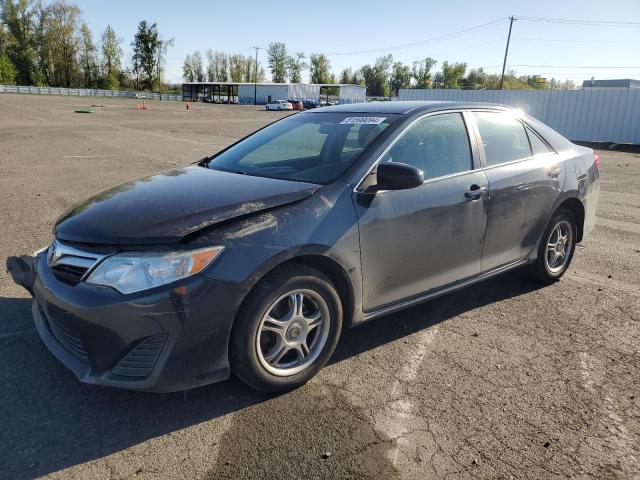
[[363, 120]]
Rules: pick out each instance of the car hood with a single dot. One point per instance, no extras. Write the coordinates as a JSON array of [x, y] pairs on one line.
[[165, 207]]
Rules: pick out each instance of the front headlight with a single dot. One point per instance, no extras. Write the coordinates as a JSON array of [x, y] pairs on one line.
[[132, 272]]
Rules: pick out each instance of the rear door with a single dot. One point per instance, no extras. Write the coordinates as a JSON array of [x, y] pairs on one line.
[[417, 240], [525, 178]]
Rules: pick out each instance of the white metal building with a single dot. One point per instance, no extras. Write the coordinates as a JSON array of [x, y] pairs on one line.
[[590, 114], [245, 93]]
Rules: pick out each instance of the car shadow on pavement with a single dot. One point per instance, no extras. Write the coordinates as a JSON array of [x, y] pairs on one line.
[[49, 421]]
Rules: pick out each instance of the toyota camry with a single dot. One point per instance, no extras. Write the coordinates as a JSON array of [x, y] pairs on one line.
[[253, 261]]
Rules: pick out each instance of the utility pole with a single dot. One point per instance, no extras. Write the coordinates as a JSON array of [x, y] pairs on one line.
[[255, 79], [506, 50]]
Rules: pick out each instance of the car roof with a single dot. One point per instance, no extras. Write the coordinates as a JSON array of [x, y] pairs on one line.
[[404, 107]]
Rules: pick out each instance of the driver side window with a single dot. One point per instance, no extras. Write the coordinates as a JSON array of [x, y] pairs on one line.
[[438, 145]]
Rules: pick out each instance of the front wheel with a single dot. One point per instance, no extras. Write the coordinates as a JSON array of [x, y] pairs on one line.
[[286, 330], [556, 248]]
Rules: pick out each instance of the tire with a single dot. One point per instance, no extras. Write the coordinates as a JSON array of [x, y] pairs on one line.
[[269, 322], [545, 269]]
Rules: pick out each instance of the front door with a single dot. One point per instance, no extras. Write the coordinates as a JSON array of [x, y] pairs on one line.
[[417, 240]]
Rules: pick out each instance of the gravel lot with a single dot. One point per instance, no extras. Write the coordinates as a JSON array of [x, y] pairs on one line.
[[502, 380]]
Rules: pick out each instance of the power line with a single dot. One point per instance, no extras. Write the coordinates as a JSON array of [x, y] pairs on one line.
[[556, 66], [572, 66], [447, 36], [469, 47], [601, 23], [563, 40]]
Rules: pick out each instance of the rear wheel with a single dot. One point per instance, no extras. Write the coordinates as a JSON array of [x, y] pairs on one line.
[[556, 248], [287, 329]]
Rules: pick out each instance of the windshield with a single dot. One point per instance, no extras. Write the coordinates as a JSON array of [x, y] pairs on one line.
[[309, 147]]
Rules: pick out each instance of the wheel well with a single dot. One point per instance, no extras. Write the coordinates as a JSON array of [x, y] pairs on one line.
[[334, 271], [577, 209]]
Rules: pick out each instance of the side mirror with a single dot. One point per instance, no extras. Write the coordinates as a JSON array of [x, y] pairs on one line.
[[398, 176]]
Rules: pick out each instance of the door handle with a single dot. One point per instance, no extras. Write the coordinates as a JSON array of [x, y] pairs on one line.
[[475, 192], [555, 172]]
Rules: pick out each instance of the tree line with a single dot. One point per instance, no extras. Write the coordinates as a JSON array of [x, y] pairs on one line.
[[384, 77], [50, 45], [223, 67]]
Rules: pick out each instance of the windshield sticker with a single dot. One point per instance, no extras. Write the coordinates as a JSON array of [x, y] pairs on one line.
[[363, 120]]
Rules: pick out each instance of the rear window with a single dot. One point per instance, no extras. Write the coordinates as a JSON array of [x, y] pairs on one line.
[[503, 136], [309, 147]]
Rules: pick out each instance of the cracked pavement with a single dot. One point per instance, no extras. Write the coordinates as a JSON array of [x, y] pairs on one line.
[[505, 379]]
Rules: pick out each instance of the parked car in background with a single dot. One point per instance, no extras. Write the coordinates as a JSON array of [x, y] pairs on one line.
[[309, 104], [297, 104], [253, 260], [279, 105]]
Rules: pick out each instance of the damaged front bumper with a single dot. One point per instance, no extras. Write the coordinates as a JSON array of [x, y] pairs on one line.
[[165, 339], [22, 271]]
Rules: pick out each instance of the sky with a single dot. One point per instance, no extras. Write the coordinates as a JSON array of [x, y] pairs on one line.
[[354, 33]]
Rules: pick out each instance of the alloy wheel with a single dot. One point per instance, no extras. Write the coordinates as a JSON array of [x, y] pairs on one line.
[[293, 332], [559, 245]]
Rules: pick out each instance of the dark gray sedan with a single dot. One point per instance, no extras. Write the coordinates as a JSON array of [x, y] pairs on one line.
[[254, 260]]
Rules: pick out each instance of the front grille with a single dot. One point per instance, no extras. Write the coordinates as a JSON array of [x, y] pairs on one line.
[[139, 362], [69, 274], [68, 340], [69, 264]]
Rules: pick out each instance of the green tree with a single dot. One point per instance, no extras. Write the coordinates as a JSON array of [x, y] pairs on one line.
[[198, 67], [377, 77], [4, 38], [421, 72], [319, 67], [347, 76], [19, 18], [111, 59], [452, 74], [7, 71], [250, 70], [161, 59], [476, 79], [188, 72], [295, 66], [88, 58], [562, 84], [145, 55], [216, 66], [223, 72], [400, 77], [237, 64], [61, 33], [43, 46], [277, 61]]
